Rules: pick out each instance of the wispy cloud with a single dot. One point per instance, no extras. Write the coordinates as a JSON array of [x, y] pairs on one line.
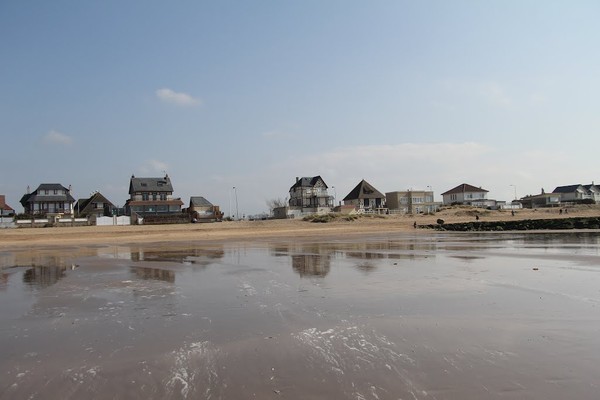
[[55, 137], [180, 99], [153, 167], [494, 93]]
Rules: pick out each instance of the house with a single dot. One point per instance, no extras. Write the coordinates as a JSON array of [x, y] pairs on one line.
[[578, 193], [310, 193], [95, 206], [467, 194], [48, 198], [541, 200], [365, 197], [412, 202], [151, 196], [202, 210], [5, 209], [307, 196]]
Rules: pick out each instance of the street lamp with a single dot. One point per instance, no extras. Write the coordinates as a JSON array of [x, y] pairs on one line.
[[334, 195], [515, 186], [236, 203]]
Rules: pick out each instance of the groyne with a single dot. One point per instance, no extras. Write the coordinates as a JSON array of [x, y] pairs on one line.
[[519, 225]]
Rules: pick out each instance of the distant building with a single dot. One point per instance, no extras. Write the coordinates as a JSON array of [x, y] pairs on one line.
[[5, 209], [151, 196], [364, 197], [468, 195], [48, 198], [578, 193], [307, 196], [95, 206], [202, 210], [412, 202], [541, 200]]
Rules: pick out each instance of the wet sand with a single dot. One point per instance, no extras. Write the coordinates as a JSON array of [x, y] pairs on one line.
[[401, 315]]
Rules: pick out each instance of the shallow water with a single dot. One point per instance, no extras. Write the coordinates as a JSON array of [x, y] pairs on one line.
[[439, 316]]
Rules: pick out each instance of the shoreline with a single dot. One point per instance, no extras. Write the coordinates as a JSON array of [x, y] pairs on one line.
[[366, 226]]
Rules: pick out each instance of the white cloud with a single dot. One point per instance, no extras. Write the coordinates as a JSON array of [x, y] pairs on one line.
[[181, 99], [55, 137], [154, 167]]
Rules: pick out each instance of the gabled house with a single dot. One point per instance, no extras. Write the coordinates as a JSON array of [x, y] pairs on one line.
[[365, 197], [467, 194], [5, 209], [95, 206], [310, 193], [202, 210], [151, 196], [578, 193], [48, 198]]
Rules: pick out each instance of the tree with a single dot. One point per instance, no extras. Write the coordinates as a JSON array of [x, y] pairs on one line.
[[275, 203]]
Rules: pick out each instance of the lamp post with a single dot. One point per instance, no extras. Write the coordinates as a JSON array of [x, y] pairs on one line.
[[236, 203], [334, 195], [515, 186]]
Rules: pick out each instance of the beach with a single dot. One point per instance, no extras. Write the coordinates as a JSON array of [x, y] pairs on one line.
[[257, 230], [364, 309]]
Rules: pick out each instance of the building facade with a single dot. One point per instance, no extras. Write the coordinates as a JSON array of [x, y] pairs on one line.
[[412, 202], [95, 206], [468, 195], [364, 197], [151, 196], [48, 198]]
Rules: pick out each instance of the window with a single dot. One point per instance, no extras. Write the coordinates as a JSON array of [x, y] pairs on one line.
[[145, 196]]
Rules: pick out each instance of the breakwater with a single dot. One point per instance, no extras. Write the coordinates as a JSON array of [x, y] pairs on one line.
[[519, 225]]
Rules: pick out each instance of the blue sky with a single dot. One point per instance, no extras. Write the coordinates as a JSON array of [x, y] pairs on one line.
[[403, 94]]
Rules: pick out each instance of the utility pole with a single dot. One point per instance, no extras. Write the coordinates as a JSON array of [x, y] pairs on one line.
[[237, 212]]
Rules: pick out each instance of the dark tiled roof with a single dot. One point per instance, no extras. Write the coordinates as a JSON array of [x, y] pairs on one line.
[[150, 185], [464, 188], [199, 201], [566, 189], [96, 198], [364, 190], [35, 197], [154, 202], [308, 182]]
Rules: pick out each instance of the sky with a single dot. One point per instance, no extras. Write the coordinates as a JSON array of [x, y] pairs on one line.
[[501, 95]]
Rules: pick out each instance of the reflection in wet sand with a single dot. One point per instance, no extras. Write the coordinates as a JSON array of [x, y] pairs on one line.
[[311, 264], [154, 273], [440, 316], [40, 277]]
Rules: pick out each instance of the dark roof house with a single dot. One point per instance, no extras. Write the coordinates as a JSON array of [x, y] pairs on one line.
[[152, 196], [48, 198], [365, 196], [96, 205]]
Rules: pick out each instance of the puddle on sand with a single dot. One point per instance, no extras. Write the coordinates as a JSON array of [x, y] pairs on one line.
[[438, 316]]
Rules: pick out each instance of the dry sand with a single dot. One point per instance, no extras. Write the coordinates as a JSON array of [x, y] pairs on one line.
[[269, 229]]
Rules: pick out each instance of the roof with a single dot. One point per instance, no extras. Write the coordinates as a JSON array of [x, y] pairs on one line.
[[150, 184], [199, 201], [308, 182], [566, 189], [34, 196], [364, 190], [96, 197], [464, 188], [3, 204]]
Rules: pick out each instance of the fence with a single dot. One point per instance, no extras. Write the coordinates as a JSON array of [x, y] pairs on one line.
[[113, 221]]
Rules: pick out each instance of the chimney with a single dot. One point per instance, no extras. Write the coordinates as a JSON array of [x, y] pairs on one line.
[[543, 192], [28, 189], [297, 179]]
